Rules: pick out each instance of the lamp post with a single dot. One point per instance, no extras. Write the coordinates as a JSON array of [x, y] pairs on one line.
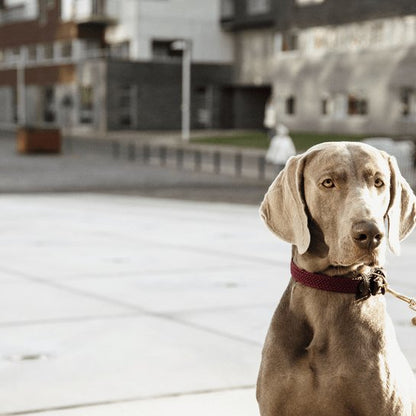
[[184, 45]]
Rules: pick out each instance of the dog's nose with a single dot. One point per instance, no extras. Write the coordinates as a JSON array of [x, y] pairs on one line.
[[366, 234]]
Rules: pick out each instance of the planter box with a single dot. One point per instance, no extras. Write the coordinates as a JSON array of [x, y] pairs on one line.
[[39, 140]]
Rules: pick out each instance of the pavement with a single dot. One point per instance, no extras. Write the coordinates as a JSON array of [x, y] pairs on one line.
[[95, 170], [126, 305], [114, 303]]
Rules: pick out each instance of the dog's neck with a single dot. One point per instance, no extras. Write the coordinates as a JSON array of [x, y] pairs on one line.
[[313, 263]]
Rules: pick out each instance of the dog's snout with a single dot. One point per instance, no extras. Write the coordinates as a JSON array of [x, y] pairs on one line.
[[366, 234]]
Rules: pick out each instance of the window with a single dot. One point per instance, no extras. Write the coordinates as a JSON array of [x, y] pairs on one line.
[[357, 105], [86, 104], [66, 49], [127, 105], [203, 103], [48, 51], [98, 7], [290, 42], [13, 54], [32, 52], [324, 106], [258, 6], [49, 115], [227, 9], [162, 50], [290, 106], [407, 102]]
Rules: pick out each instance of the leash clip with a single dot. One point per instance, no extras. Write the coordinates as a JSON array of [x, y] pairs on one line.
[[412, 304], [372, 284]]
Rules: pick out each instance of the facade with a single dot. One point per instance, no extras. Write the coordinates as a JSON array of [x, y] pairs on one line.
[[105, 64], [333, 65]]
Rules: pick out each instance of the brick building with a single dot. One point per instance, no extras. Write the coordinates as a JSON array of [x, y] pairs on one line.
[[333, 65], [107, 64]]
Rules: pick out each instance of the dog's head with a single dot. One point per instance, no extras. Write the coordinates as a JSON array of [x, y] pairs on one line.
[[334, 201]]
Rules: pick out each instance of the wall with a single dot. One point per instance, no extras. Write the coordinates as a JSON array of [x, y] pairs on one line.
[[377, 76], [254, 56], [158, 89], [142, 21]]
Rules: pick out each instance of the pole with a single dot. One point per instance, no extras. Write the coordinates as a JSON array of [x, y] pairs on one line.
[[186, 90], [21, 91]]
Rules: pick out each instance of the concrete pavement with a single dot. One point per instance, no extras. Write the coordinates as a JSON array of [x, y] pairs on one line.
[[86, 171], [124, 305]]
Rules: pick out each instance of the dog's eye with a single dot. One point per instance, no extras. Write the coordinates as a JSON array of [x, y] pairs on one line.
[[328, 183], [378, 183]]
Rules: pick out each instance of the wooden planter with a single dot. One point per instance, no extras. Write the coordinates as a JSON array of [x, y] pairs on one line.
[[39, 140]]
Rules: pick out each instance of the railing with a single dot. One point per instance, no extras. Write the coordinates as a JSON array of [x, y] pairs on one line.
[[240, 163]]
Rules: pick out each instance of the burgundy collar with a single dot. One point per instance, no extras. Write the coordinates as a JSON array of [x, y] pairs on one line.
[[362, 285]]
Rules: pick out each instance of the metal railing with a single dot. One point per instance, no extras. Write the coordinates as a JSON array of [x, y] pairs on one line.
[[235, 162]]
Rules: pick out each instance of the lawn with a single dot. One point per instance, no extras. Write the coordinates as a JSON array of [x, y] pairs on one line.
[[259, 140]]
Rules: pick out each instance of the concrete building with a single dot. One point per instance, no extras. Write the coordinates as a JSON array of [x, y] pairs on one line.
[[98, 65], [344, 66]]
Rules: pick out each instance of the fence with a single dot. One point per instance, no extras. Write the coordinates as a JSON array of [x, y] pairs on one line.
[[240, 163]]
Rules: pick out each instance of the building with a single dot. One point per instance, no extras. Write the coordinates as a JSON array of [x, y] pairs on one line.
[[344, 66], [39, 55], [96, 65]]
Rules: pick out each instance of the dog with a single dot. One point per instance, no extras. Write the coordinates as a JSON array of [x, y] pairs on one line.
[[328, 353]]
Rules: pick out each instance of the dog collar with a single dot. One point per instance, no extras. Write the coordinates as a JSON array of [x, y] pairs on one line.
[[362, 285]]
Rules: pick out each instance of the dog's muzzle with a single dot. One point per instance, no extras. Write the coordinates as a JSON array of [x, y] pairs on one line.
[[366, 235]]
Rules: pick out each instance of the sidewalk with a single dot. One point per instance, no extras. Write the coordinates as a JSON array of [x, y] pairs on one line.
[[123, 305], [95, 171]]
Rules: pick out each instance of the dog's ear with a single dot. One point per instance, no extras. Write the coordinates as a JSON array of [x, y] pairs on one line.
[[401, 214], [283, 207]]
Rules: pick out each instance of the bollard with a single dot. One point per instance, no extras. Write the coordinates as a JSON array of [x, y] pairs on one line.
[[68, 144], [262, 167], [179, 158], [217, 162], [131, 152], [198, 160], [238, 164], [115, 146], [163, 155], [146, 153]]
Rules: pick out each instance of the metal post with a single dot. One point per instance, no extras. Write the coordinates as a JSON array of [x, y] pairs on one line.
[[115, 149], [185, 46], [217, 162], [198, 160], [179, 158], [146, 153], [186, 90], [238, 164], [163, 155], [132, 151], [21, 91]]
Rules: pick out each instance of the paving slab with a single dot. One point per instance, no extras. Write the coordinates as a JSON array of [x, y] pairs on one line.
[[223, 403], [119, 359], [122, 305]]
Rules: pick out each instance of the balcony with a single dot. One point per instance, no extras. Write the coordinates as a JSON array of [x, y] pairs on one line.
[[16, 13], [88, 12]]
